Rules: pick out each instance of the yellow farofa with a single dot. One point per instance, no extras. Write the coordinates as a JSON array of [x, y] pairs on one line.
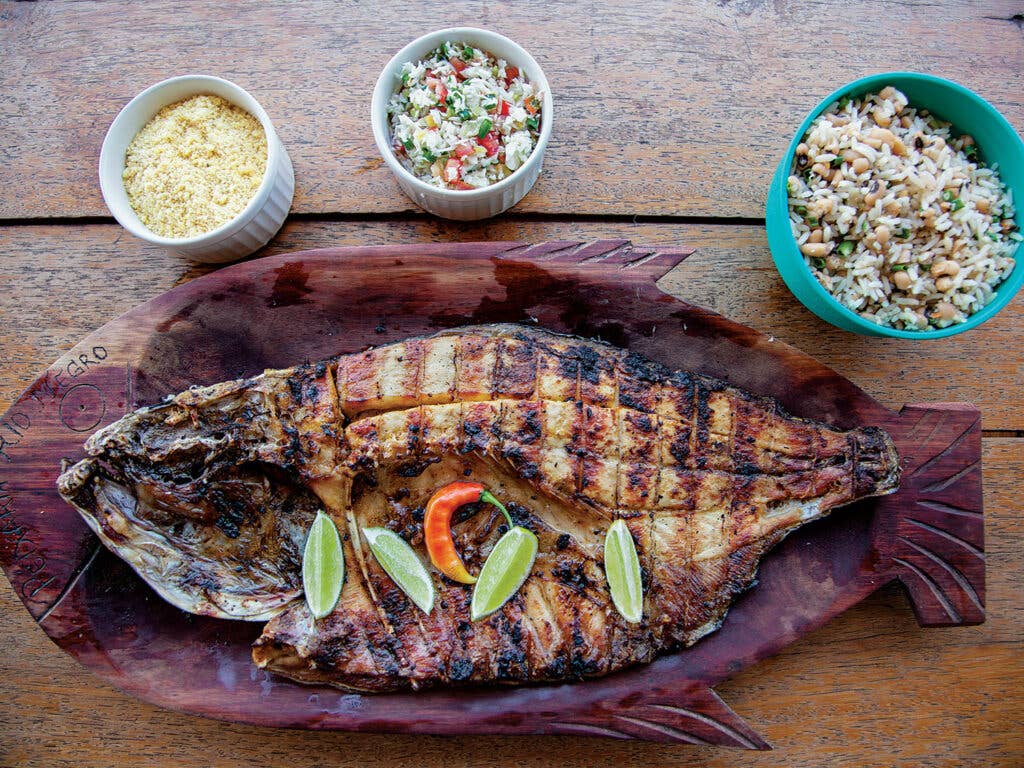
[[194, 166]]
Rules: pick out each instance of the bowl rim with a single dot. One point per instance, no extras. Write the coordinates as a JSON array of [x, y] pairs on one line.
[[130, 221], [777, 195], [384, 87]]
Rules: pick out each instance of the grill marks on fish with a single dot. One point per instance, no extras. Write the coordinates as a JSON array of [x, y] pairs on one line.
[[570, 434]]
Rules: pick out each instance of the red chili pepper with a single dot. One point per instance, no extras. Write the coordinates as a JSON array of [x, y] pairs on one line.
[[437, 526]]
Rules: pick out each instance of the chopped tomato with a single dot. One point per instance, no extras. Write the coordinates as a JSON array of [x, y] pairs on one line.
[[531, 106], [461, 185], [511, 73], [463, 150], [457, 64], [435, 84], [453, 170], [503, 107], [491, 142]]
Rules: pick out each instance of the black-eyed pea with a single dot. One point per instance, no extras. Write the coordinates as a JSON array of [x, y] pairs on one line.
[[882, 234], [943, 284], [944, 311], [815, 250], [902, 280], [860, 165]]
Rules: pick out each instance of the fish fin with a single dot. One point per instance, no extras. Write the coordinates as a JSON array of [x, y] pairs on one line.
[[936, 531], [692, 715]]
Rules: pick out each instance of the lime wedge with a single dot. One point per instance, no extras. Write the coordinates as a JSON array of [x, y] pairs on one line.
[[402, 564], [323, 566], [622, 569], [504, 572]]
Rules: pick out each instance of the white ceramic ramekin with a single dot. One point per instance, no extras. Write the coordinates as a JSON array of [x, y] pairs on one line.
[[465, 205], [248, 231]]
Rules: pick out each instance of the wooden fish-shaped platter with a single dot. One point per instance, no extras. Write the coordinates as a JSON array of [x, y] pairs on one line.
[[276, 312]]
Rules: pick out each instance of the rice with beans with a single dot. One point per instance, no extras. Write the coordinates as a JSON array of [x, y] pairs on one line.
[[898, 218]]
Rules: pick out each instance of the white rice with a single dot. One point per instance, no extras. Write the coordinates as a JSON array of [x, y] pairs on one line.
[[898, 218]]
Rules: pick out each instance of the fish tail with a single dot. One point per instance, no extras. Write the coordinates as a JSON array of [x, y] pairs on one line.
[[936, 536]]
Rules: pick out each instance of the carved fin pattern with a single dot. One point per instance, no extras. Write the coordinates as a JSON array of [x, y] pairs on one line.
[[695, 715], [655, 260], [938, 545]]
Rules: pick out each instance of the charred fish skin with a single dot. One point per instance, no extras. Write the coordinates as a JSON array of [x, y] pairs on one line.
[[572, 433]]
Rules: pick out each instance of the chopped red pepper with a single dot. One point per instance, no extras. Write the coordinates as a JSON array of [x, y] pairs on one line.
[[491, 142], [453, 169], [531, 106], [511, 73], [464, 149], [457, 64], [503, 107], [461, 185], [434, 83]]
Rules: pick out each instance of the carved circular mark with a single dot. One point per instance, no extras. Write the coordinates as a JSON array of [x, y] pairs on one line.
[[82, 407]]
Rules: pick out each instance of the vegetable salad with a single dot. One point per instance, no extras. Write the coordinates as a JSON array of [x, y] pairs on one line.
[[463, 119]]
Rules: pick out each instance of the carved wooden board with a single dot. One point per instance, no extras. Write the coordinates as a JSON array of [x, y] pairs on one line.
[[278, 311]]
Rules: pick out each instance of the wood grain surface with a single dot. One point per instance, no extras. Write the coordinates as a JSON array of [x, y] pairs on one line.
[[86, 275], [661, 108]]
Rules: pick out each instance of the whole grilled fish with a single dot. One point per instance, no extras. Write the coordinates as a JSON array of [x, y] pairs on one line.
[[209, 495]]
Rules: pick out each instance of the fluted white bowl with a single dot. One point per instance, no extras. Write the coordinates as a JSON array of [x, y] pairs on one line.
[[464, 205], [251, 229]]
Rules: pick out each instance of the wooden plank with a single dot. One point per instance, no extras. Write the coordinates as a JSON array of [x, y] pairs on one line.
[[659, 110], [66, 282], [869, 687]]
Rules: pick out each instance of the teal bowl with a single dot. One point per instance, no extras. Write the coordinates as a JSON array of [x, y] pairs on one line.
[[998, 144]]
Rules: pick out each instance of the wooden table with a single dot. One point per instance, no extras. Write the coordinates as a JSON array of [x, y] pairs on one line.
[[670, 119]]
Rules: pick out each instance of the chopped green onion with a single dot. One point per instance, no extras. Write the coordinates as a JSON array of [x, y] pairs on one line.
[[845, 248], [465, 114], [485, 127], [957, 204], [428, 155], [903, 232], [899, 267], [405, 79], [819, 262], [409, 146], [801, 210], [837, 161], [443, 50], [533, 123], [971, 152], [948, 195], [490, 105], [468, 53], [449, 100], [812, 220], [844, 102], [993, 237]]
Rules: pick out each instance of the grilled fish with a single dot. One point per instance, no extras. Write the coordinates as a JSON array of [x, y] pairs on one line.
[[209, 494]]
